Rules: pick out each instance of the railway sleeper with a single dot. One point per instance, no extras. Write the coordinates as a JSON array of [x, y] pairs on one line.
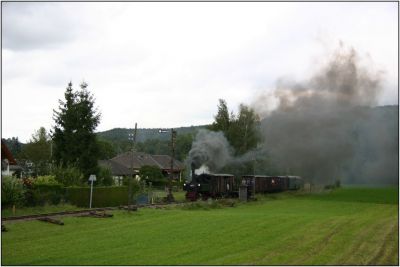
[[131, 208], [51, 220], [97, 214]]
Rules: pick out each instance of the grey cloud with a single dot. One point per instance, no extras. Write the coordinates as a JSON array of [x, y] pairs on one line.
[[28, 26]]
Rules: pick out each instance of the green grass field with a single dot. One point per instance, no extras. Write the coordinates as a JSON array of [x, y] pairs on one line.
[[352, 226]]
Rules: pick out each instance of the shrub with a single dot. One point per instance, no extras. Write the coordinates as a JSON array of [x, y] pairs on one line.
[[178, 184], [12, 191], [105, 177], [43, 190], [47, 179], [152, 174], [68, 176]]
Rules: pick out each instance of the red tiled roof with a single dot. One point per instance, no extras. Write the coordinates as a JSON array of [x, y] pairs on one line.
[[5, 152]]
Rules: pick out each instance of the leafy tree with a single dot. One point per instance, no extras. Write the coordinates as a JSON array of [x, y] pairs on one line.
[[243, 133], [241, 130], [106, 149], [74, 139], [38, 151], [222, 119], [68, 176], [152, 174], [183, 145]]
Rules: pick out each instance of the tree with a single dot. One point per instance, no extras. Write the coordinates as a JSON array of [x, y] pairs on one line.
[[74, 139], [183, 145], [241, 130], [243, 133], [152, 174], [38, 151], [14, 145], [68, 176], [106, 149], [222, 119]]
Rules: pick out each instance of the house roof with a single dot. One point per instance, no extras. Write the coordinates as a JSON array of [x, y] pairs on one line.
[[165, 162], [140, 159], [5, 152], [116, 168]]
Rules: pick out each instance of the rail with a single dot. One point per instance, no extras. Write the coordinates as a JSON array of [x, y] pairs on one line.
[[78, 212]]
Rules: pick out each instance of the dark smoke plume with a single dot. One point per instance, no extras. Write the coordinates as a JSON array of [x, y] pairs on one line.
[[325, 128], [210, 149]]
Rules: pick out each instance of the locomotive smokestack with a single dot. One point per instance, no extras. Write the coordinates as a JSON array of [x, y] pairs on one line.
[[193, 168]]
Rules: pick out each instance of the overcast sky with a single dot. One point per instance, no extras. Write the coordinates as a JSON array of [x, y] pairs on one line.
[[167, 64]]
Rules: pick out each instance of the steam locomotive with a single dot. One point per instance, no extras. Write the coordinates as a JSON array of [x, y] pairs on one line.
[[208, 185]]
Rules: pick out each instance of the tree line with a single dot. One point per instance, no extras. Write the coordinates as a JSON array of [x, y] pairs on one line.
[[71, 149]]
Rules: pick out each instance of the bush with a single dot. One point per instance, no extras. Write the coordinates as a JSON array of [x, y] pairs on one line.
[[152, 174], [178, 184], [47, 180], [110, 196], [68, 176], [43, 190], [105, 177], [12, 191]]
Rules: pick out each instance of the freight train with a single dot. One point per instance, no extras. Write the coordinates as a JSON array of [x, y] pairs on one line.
[[208, 185]]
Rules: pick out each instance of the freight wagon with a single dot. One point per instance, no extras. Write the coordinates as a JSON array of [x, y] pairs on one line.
[[224, 185], [210, 185], [260, 184]]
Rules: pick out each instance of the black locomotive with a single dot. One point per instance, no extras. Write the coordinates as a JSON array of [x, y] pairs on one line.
[[210, 185]]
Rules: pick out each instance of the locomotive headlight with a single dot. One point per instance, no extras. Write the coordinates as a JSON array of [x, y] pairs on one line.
[[184, 184], [198, 185]]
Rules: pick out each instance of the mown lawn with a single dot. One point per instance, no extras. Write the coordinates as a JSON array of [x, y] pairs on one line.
[[285, 229]]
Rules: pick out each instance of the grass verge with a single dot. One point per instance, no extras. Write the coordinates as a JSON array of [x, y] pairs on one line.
[[288, 230]]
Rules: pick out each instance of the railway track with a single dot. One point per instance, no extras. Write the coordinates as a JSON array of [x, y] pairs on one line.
[[80, 212]]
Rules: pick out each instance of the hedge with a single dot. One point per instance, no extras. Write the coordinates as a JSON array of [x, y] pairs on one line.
[[109, 196], [41, 194]]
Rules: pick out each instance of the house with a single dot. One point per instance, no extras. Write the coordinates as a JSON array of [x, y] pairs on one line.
[[8, 163], [123, 164]]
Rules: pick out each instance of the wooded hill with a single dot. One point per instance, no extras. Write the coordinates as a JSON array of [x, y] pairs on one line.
[[143, 134]]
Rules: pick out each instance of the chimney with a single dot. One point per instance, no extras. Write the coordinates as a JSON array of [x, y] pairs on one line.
[[192, 166]]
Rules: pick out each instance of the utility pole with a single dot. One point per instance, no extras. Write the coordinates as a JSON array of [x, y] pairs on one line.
[[254, 177], [170, 197], [132, 137]]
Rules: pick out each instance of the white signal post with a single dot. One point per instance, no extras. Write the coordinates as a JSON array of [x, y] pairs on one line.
[[92, 178]]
